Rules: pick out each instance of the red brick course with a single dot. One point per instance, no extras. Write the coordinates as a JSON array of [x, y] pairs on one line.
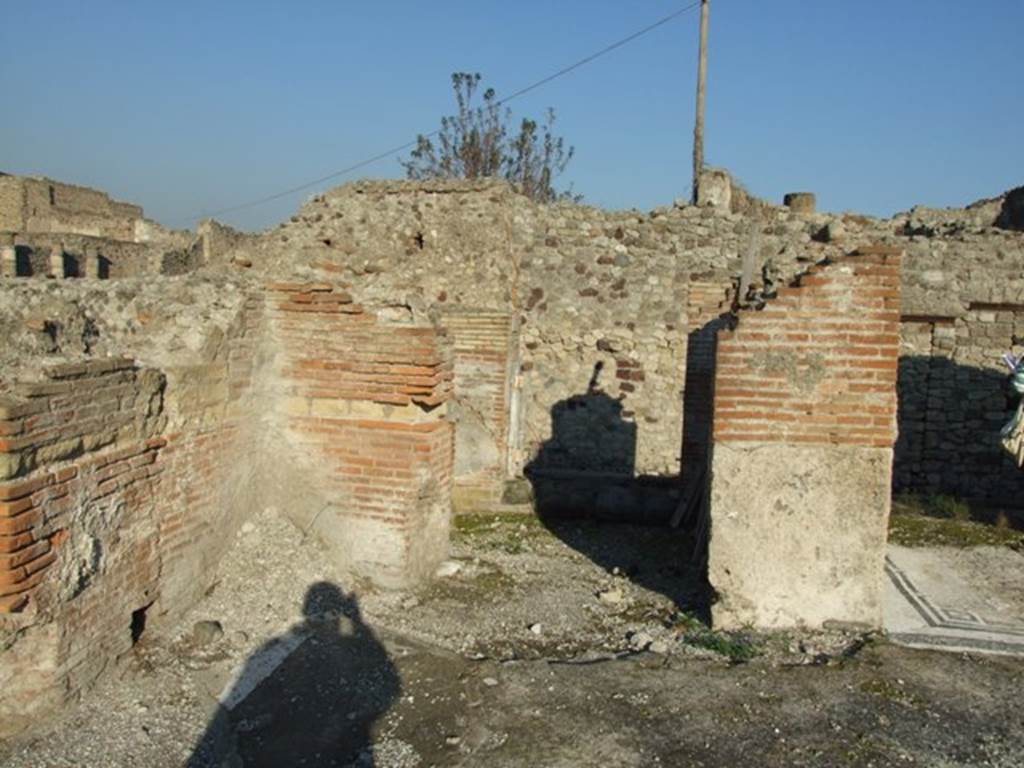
[[818, 364]]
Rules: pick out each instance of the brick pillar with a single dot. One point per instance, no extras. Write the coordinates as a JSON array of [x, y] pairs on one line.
[[804, 426], [365, 403]]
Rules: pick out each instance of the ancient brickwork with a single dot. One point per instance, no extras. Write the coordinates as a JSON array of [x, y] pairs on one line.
[[579, 276], [708, 311], [600, 300], [76, 413], [804, 424], [366, 403], [818, 363], [121, 486], [483, 344]]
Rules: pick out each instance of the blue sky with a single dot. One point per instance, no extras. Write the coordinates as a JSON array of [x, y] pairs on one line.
[[187, 107]]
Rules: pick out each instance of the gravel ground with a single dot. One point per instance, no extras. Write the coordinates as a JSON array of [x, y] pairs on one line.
[[565, 645]]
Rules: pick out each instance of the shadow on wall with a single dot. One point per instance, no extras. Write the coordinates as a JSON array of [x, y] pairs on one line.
[[585, 492], [949, 420], [330, 679], [586, 467]]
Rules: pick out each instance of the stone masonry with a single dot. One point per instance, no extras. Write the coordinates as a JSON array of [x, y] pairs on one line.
[[121, 482], [397, 347], [804, 424]]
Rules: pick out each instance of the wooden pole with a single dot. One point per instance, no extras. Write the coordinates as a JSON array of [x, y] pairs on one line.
[[702, 75]]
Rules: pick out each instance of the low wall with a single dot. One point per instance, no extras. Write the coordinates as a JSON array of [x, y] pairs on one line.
[[111, 521], [804, 424]]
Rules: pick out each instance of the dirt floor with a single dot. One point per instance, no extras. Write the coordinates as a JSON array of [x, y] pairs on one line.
[[565, 645]]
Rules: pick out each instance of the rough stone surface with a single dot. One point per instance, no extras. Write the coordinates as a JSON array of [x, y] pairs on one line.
[[817, 516], [155, 385]]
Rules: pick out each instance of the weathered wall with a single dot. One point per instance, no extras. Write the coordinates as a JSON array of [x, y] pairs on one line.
[[116, 508], [44, 205], [12, 203], [121, 483], [362, 406], [594, 287], [962, 312], [804, 423]]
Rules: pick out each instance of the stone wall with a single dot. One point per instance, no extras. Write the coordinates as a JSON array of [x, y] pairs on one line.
[[804, 424], [607, 291], [44, 205], [12, 203], [121, 483]]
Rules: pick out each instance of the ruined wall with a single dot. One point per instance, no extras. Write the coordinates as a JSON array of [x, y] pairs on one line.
[[804, 423], [44, 205], [607, 291], [12, 204], [62, 230], [598, 300], [120, 487], [121, 482], [364, 404], [961, 313]]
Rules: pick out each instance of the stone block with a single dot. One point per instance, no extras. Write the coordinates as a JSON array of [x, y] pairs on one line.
[[798, 534], [800, 202], [714, 190]]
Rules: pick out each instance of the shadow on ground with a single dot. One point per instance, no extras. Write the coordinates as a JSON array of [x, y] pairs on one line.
[[309, 697], [586, 493]]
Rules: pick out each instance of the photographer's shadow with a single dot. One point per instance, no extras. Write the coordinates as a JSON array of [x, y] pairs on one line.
[[309, 697]]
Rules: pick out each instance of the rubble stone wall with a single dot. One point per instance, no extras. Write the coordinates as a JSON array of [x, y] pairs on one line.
[[804, 424], [44, 205], [608, 291]]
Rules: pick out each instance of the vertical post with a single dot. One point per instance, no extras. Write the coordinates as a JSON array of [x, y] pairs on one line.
[[57, 261], [8, 257], [90, 264], [702, 74]]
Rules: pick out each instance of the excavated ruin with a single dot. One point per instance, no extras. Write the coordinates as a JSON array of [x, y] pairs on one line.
[[763, 376]]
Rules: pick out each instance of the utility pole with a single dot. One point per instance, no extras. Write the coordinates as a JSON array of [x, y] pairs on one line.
[[702, 76]]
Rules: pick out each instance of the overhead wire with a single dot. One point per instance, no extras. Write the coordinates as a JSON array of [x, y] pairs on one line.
[[409, 144]]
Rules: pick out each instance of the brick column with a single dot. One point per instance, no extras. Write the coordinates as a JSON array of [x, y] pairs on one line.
[[804, 427], [366, 404]]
